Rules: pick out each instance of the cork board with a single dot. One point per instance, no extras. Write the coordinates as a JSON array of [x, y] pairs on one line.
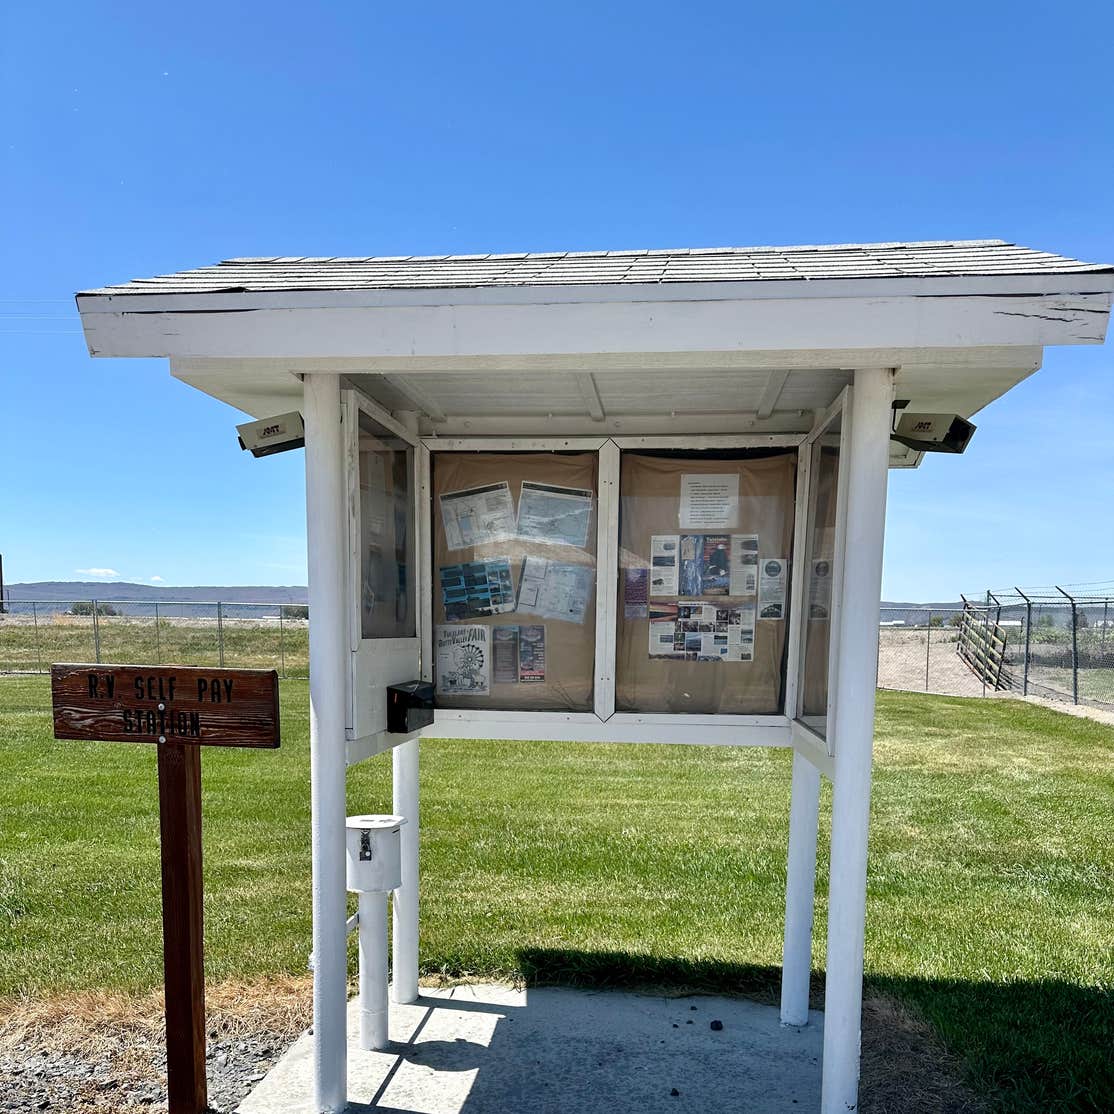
[[570, 647], [649, 501]]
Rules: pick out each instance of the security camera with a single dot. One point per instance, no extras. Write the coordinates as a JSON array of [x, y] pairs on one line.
[[934, 433], [273, 435]]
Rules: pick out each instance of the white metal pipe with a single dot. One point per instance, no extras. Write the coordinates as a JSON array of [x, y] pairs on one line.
[[800, 887], [405, 925], [373, 970], [853, 734], [325, 531]]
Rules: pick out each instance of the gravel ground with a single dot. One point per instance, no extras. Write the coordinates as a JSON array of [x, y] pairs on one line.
[[120, 1080]]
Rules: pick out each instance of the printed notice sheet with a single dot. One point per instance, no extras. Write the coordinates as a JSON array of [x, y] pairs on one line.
[[709, 502], [476, 589], [463, 660], [531, 655], [697, 631], [478, 515], [743, 577], [504, 653], [771, 587], [552, 590], [558, 515], [820, 590], [636, 593], [663, 564]]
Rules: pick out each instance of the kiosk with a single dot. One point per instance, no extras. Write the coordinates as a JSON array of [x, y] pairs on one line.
[[606, 497]]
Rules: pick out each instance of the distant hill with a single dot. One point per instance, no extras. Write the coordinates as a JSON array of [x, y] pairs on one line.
[[65, 591]]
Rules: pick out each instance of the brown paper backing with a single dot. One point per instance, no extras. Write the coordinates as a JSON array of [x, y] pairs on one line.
[[649, 490], [570, 648]]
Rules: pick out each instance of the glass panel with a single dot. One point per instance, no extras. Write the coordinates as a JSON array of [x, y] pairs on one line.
[[387, 570], [514, 580], [704, 545], [820, 550]]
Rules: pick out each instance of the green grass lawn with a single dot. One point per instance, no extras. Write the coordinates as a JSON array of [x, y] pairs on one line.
[[990, 897]]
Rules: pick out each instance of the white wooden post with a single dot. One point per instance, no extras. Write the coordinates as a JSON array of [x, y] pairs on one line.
[[404, 776], [853, 734], [800, 886], [328, 651]]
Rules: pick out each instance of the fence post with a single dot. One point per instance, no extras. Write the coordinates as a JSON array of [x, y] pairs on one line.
[[38, 645], [220, 633], [927, 649], [282, 646], [96, 636], [158, 637], [1028, 629], [1074, 645]]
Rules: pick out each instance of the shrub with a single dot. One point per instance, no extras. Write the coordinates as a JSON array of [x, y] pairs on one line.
[[295, 611], [85, 607]]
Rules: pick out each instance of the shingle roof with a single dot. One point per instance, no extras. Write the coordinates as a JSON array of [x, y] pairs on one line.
[[927, 259]]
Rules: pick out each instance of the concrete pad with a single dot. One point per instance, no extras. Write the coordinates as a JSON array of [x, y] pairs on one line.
[[490, 1049]]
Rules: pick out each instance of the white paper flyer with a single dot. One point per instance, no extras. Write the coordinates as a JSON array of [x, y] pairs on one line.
[[558, 515], [771, 587], [552, 590], [709, 502], [743, 578], [820, 590], [463, 660], [664, 565], [478, 515]]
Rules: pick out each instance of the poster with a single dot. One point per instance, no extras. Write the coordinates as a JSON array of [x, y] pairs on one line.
[[771, 587], [478, 515], [504, 653], [531, 654], [477, 589], [820, 590], [463, 660], [663, 564], [698, 631], [553, 590], [557, 515], [709, 502], [636, 592], [743, 574]]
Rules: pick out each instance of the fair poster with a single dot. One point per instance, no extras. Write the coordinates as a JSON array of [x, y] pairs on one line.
[[699, 631], [743, 569], [664, 565], [820, 589], [478, 516], [477, 589], [504, 653], [772, 577], [556, 515], [552, 590], [709, 502], [531, 654], [462, 658]]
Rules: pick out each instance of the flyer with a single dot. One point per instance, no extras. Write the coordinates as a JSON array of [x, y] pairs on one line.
[[636, 592], [553, 590], [715, 564], [531, 654], [557, 515], [504, 653], [477, 589], [698, 631], [709, 502], [743, 574], [692, 565], [463, 660], [820, 590], [663, 564], [771, 587], [478, 515]]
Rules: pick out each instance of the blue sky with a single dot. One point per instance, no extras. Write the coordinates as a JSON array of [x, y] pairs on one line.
[[137, 141]]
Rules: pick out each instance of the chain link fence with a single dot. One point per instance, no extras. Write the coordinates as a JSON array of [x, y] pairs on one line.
[[34, 633]]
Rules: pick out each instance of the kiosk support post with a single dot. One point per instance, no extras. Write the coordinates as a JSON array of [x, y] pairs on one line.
[[325, 531], [406, 802], [800, 888], [853, 735]]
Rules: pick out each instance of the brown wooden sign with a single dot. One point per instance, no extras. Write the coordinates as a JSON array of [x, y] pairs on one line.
[[158, 704], [181, 709]]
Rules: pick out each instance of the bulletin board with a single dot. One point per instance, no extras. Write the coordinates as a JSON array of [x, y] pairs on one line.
[[731, 583], [514, 579]]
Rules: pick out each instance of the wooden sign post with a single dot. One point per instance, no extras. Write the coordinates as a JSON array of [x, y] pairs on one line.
[[179, 709]]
